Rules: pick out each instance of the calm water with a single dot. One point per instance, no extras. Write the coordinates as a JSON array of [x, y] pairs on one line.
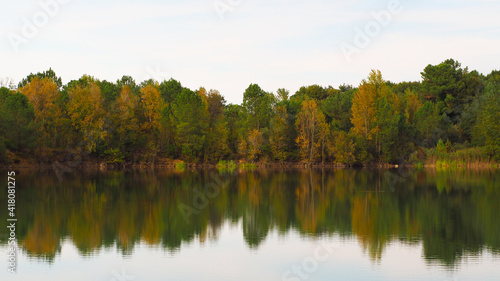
[[256, 225]]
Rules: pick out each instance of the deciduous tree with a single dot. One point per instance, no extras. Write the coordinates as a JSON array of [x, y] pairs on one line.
[[190, 118], [254, 144], [311, 128], [86, 112], [43, 94], [279, 133]]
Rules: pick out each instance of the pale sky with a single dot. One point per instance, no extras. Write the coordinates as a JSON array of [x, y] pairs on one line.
[[274, 43]]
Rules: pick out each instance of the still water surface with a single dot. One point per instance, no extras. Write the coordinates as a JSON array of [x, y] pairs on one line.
[[256, 225]]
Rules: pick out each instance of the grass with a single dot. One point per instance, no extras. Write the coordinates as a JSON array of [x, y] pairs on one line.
[[248, 166], [460, 158], [419, 165], [224, 165], [180, 165]]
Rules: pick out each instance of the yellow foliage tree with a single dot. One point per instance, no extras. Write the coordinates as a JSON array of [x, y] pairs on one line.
[[412, 105], [242, 148], [152, 105], [42, 94], [125, 120], [375, 112], [323, 133], [86, 112], [312, 131], [364, 107], [254, 144]]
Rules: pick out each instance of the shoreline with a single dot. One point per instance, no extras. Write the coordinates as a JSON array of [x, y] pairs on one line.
[[102, 165]]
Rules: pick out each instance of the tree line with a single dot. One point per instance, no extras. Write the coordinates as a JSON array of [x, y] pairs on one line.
[[451, 114]]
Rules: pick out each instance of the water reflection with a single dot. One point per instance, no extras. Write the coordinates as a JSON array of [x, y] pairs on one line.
[[453, 213]]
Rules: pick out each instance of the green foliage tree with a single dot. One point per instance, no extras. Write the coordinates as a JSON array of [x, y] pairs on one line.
[[380, 121], [315, 92], [279, 133], [388, 118], [170, 90], [127, 80], [232, 114], [443, 79], [337, 110], [258, 104], [486, 131], [282, 94], [426, 121], [109, 91], [190, 118], [440, 148], [49, 74], [18, 122], [454, 88]]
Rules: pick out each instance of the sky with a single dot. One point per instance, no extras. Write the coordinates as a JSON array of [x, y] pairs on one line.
[[229, 44]]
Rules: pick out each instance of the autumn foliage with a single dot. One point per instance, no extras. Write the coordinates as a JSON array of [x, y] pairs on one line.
[[377, 122]]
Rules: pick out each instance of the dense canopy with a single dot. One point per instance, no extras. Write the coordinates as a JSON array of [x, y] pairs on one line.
[[451, 116]]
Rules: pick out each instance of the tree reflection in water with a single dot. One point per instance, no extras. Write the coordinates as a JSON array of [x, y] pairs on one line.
[[453, 213]]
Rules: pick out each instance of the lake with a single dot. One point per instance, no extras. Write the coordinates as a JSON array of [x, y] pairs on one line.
[[264, 224]]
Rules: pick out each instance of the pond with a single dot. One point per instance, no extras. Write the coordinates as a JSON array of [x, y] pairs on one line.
[[263, 224]]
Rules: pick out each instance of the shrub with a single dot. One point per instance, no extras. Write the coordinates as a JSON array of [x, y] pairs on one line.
[[180, 165], [114, 155], [226, 165]]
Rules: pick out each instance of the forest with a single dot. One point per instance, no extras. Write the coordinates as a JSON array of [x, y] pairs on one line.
[[450, 117]]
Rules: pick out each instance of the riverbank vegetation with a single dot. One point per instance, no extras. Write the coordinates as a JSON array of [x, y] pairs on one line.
[[450, 117]]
